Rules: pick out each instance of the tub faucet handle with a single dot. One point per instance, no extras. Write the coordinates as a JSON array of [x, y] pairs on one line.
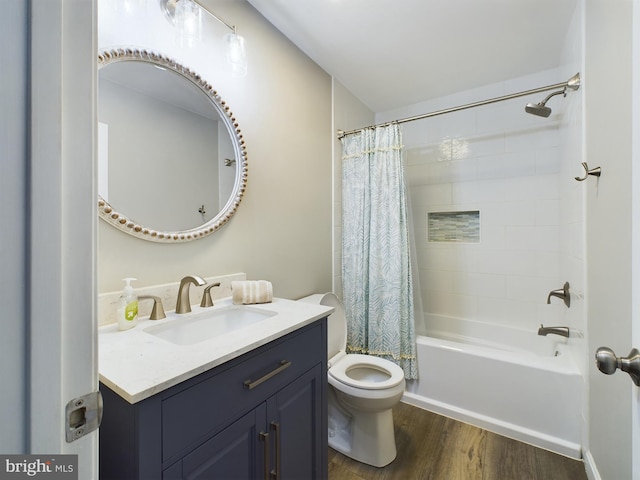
[[562, 293]]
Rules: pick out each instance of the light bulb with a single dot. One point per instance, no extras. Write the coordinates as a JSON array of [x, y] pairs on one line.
[[188, 18], [236, 54]]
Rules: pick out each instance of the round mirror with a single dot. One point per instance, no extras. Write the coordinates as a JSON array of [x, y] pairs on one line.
[[170, 153]]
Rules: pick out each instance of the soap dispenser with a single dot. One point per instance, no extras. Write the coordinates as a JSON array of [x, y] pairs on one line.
[[127, 306]]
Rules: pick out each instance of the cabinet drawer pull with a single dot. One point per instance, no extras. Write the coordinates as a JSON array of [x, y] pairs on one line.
[[250, 384], [275, 473], [265, 438]]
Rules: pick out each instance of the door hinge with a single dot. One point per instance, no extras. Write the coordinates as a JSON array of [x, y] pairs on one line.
[[83, 415]]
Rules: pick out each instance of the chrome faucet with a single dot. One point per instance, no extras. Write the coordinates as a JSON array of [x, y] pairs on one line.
[[157, 312], [562, 331], [206, 295], [562, 293], [183, 305]]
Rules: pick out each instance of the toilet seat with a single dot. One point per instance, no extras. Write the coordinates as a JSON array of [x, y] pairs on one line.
[[349, 363]]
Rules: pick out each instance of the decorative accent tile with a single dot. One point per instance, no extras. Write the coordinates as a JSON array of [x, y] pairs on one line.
[[453, 227]]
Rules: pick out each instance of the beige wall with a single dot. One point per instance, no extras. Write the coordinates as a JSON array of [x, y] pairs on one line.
[[282, 230]]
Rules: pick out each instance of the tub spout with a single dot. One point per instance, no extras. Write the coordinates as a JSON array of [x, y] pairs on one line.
[[562, 331], [562, 293]]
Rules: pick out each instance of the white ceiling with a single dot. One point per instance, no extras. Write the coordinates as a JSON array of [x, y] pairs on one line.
[[393, 53]]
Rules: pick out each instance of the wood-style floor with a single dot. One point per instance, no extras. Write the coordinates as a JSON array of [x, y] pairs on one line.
[[433, 447]]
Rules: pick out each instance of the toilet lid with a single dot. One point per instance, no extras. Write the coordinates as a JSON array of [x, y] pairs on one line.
[[367, 372]]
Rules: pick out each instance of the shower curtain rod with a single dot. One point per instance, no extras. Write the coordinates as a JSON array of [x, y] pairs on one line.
[[573, 83]]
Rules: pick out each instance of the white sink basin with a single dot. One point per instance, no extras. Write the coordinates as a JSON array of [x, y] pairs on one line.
[[200, 326]]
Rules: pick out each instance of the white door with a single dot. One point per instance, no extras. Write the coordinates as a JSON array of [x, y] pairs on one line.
[[13, 236], [62, 286], [613, 231], [635, 178]]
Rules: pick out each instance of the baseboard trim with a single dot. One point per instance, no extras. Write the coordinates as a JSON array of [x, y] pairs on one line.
[[590, 466]]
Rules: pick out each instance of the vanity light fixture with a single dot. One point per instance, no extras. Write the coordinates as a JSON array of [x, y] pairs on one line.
[[186, 15], [187, 19]]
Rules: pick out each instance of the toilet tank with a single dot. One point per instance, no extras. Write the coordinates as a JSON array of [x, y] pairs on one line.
[[336, 323]]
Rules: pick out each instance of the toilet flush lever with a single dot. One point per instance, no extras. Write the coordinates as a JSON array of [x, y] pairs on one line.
[[608, 363]]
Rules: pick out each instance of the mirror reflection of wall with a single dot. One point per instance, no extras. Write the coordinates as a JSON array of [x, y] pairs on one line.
[[227, 163], [163, 163]]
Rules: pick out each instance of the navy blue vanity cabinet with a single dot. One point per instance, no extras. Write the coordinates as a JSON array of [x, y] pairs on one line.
[[231, 454], [261, 415]]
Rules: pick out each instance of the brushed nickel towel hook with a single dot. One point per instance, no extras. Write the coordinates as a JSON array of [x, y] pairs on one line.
[[594, 171]]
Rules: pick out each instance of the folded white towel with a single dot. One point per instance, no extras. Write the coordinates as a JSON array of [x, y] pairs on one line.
[[251, 291]]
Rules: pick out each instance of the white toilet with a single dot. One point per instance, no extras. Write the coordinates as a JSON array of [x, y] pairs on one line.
[[362, 391]]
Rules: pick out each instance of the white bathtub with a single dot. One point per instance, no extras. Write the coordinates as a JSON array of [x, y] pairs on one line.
[[509, 381]]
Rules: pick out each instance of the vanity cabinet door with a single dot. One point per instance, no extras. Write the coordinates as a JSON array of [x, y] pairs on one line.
[[298, 431], [282, 439], [236, 453]]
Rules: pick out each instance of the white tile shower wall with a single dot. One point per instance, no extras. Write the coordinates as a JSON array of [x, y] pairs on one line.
[[506, 164], [572, 247], [572, 213]]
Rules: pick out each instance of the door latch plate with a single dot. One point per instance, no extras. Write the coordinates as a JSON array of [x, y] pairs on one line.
[[83, 415]]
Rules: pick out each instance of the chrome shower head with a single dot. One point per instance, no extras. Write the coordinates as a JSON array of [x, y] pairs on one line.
[[540, 109]]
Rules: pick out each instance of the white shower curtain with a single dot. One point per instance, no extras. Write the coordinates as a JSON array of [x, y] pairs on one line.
[[376, 264]]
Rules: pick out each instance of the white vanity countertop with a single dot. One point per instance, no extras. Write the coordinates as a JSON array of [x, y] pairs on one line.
[[137, 365]]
